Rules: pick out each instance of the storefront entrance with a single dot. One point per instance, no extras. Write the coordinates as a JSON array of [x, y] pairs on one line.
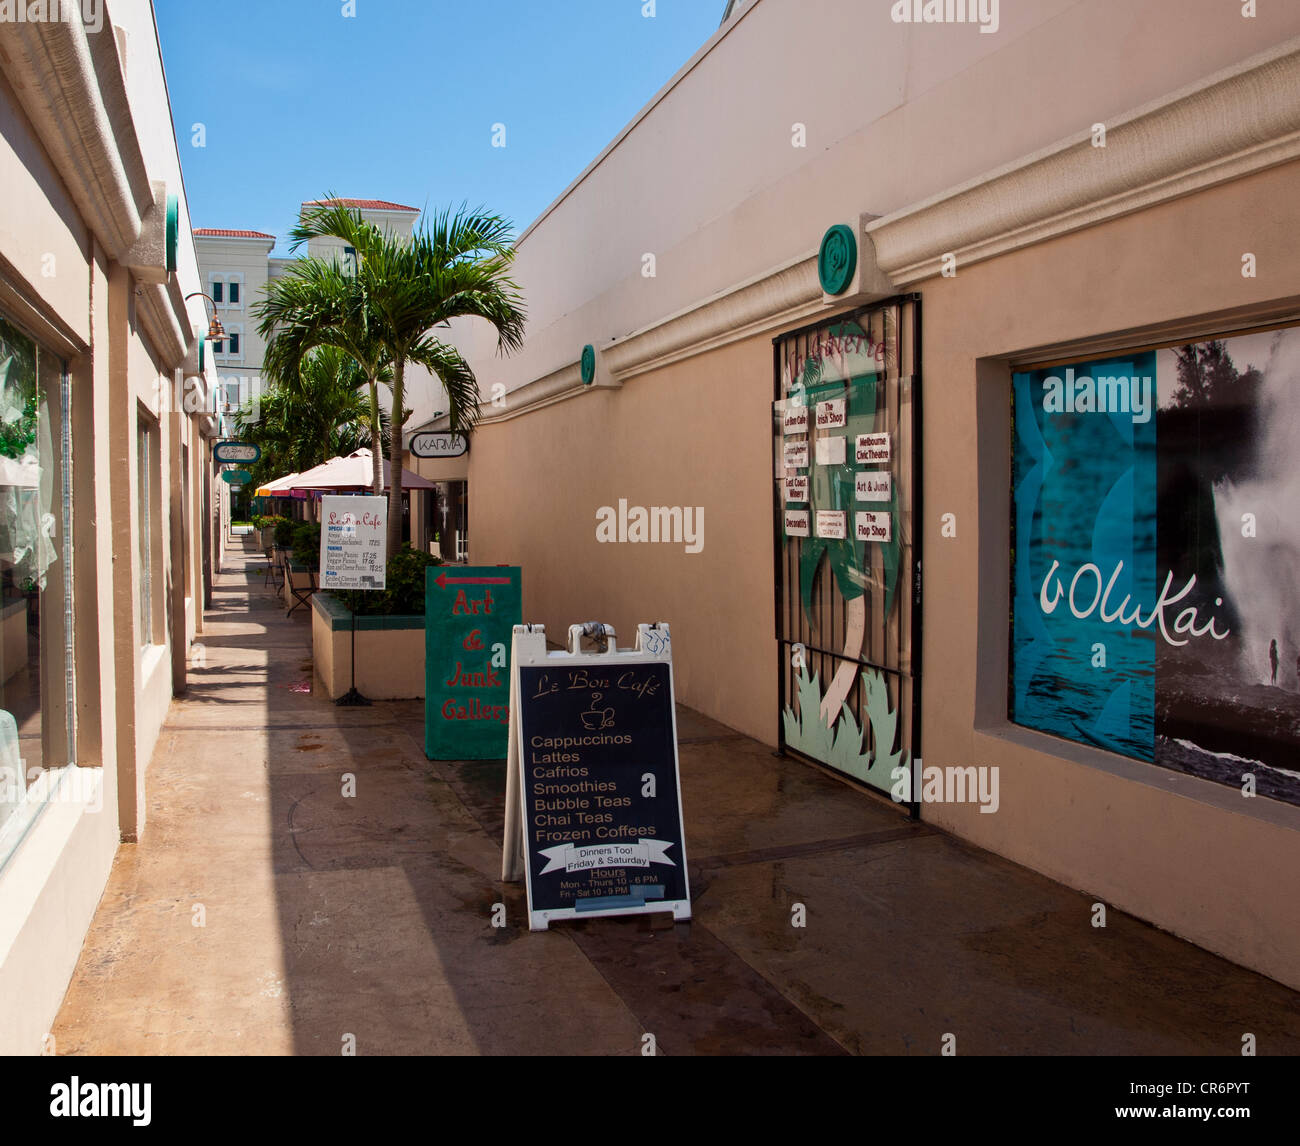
[[846, 453]]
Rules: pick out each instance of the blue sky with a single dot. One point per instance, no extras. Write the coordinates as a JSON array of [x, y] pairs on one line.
[[399, 101]]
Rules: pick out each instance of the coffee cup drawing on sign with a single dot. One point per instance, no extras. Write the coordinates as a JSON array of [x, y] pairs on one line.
[[597, 719]]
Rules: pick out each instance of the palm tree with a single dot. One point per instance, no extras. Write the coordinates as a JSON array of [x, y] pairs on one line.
[[318, 303], [455, 265]]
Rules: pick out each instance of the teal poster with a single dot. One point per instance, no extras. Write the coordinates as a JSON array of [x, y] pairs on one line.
[[469, 614], [1156, 557]]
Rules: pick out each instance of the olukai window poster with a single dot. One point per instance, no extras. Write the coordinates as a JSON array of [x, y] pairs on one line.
[[1156, 564]]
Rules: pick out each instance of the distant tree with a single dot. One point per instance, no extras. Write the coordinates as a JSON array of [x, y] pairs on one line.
[[318, 413]]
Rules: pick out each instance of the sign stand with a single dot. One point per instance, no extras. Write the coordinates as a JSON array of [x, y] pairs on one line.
[[593, 802], [353, 544], [352, 698]]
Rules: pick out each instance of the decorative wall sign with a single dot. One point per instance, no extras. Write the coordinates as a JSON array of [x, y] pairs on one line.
[[873, 449], [353, 542], [830, 523], [796, 522], [587, 364], [438, 445], [874, 526], [837, 260], [796, 454], [796, 488], [796, 419], [469, 615], [875, 485], [593, 780], [236, 452]]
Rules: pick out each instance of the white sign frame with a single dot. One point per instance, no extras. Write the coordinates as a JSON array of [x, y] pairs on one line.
[[528, 650], [457, 446], [337, 538]]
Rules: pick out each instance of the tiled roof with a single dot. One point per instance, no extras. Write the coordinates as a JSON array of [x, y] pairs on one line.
[[217, 233], [361, 204]]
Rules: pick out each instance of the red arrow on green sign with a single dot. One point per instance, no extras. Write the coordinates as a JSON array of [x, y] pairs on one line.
[[442, 580]]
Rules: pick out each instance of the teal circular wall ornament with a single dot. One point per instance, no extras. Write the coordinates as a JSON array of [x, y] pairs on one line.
[[837, 259], [588, 364]]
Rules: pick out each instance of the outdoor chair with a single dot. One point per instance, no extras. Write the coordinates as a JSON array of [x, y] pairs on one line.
[[275, 569], [301, 594]]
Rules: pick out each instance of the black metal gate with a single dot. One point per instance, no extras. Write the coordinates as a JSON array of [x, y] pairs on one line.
[[846, 514]]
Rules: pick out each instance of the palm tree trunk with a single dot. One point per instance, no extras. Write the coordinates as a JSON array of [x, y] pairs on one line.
[[395, 458], [376, 441]]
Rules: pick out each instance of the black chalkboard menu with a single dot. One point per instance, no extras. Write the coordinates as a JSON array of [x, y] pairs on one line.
[[601, 807]]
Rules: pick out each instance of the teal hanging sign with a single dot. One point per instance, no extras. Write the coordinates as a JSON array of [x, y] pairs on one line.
[[470, 613], [236, 477]]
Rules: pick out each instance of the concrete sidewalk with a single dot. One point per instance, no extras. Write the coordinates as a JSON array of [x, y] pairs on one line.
[[327, 918]]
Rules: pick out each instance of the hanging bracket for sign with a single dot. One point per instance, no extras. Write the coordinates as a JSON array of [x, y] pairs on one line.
[[593, 797]]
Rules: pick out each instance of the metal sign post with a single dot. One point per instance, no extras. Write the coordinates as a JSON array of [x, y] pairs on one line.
[[353, 555]]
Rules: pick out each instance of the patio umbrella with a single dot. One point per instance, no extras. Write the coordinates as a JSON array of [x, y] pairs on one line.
[[354, 472], [281, 486]]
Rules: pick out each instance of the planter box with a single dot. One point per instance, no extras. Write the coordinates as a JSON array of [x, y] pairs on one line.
[[390, 652]]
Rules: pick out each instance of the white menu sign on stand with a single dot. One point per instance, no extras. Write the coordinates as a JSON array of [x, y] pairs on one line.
[[353, 542]]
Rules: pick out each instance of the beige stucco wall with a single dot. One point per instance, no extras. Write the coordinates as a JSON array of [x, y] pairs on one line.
[[694, 434]]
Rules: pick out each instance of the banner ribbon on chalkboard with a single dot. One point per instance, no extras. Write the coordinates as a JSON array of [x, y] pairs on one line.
[[640, 853]]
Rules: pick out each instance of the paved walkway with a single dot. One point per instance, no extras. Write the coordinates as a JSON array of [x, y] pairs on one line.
[[326, 917]]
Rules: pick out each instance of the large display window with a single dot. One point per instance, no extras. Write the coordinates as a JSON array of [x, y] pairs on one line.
[[1156, 557], [36, 691]]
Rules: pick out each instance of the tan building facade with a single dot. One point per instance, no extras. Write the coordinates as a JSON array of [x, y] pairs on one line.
[[1089, 184], [107, 541]]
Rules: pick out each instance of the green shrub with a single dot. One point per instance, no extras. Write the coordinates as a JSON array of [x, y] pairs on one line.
[[404, 592], [284, 531], [306, 543]]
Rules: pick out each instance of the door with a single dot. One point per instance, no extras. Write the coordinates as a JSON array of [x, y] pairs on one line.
[[846, 454]]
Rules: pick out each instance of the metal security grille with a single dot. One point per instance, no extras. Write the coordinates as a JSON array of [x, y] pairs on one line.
[[847, 398]]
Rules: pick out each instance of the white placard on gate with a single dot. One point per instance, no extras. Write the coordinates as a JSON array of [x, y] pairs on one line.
[[353, 542], [875, 485], [593, 796], [873, 449], [874, 526], [831, 451]]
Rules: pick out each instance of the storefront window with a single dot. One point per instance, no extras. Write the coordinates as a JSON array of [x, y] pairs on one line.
[[35, 599], [1156, 595]]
